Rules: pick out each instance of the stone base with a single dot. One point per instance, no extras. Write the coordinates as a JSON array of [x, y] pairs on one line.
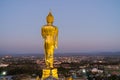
[[49, 72]]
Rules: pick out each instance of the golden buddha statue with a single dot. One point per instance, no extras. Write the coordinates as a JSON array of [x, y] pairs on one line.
[[49, 33]]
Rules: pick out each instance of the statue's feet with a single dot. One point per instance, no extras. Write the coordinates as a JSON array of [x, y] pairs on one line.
[[51, 67]]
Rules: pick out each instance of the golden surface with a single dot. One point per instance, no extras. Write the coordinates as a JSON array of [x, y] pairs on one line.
[[49, 72], [50, 36], [50, 18], [49, 33], [37, 78], [70, 78]]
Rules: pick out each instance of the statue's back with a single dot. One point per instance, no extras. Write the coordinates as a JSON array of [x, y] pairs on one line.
[[49, 31]]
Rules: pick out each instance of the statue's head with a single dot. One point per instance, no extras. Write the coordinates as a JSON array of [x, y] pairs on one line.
[[50, 18]]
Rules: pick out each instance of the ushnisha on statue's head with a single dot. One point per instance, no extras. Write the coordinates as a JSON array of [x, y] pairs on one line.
[[50, 19]]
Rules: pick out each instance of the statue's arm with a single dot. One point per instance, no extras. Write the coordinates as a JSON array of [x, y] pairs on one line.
[[42, 33], [56, 38]]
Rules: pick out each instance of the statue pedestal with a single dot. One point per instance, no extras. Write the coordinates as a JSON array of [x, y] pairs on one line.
[[49, 72]]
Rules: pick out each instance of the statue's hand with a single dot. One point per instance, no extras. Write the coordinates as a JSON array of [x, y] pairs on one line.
[[56, 46]]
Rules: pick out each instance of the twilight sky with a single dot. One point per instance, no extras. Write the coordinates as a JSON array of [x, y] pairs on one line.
[[84, 25]]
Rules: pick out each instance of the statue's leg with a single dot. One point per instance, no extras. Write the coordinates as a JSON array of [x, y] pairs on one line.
[[49, 51], [51, 58], [46, 55], [47, 60]]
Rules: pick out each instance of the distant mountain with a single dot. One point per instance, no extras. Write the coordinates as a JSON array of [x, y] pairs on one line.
[[64, 54], [108, 53], [91, 54], [25, 54]]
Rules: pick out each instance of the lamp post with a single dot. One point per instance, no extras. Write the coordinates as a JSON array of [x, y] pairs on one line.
[[3, 74]]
